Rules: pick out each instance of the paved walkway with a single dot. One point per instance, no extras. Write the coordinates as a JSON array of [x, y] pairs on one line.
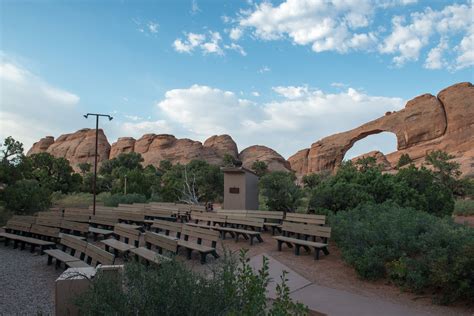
[[327, 300]]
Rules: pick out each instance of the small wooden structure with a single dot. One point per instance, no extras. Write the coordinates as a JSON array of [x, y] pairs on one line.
[[240, 189]]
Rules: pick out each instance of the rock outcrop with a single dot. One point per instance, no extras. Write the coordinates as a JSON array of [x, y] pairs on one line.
[[380, 159], [122, 145], [76, 147], [427, 123], [274, 160]]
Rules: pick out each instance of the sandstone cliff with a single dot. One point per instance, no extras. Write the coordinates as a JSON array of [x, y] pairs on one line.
[[427, 123]]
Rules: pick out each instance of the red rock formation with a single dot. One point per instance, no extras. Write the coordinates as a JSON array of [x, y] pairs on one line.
[[122, 145], [274, 160], [41, 146], [77, 147], [380, 159], [426, 123], [222, 144]]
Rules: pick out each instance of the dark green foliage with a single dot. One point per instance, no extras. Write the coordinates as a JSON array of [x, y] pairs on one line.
[[206, 179], [228, 160], [260, 168], [404, 160], [116, 199], [12, 150], [312, 180], [356, 184], [85, 167], [446, 172], [415, 250], [173, 289], [280, 191], [165, 165], [26, 197]]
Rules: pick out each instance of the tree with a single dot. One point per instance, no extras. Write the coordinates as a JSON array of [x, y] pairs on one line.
[[27, 197], [14, 165], [312, 180], [404, 160], [280, 191], [165, 165], [228, 160], [85, 167], [12, 150], [260, 168], [446, 172], [55, 174]]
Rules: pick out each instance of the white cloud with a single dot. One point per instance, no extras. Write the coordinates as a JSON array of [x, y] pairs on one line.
[[153, 27], [32, 108], [408, 38], [465, 51], [264, 69], [286, 125], [255, 93], [195, 7], [325, 25], [235, 33], [208, 43], [138, 129], [237, 48], [292, 92], [435, 58]]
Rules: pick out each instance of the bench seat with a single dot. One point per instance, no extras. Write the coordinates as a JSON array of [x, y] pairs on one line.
[[68, 260], [317, 246], [200, 225], [149, 255], [195, 246], [236, 232], [77, 264], [33, 242], [117, 245], [100, 231]]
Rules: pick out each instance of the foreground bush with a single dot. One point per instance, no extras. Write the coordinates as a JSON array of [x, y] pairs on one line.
[[26, 197], [116, 199], [415, 250], [464, 207], [173, 289]]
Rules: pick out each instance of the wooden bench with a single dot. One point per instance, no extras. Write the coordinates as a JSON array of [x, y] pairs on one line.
[[210, 219], [158, 241], [75, 228], [24, 240], [104, 218], [306, 218], [96, 255], [72, 252], [49, 221], [127, 216], [96, 232], [125, 239], [77, 215], [200, 235], [247, 227], [272, 219], [18, 227], [167, 228], [303, 232], [45, 232], [24, 219]]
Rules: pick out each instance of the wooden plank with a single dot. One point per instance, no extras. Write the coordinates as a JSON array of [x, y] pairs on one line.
[[167, 226], [49, 221], [161, 241], [45, 230], [306, 218], [134, 216], [74, 243], [20, 226], [50, 214], [83, 218], [75, 226], [197, 232], [24, 219], [99, 255], [245, 221], [273, 215], [307, 229], [127, 232]]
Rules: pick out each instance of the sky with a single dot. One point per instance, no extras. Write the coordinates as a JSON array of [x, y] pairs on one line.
[[283, 74]]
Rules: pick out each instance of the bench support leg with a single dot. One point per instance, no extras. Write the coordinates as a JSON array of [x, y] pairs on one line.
[[259, 238], [32, 248], [214, 253], [15, 244], [308, 250], [297, 250], [203, 257], [50, 260], [251, 240], [325, 250], [189, 253], [316, 253], [280, 243]]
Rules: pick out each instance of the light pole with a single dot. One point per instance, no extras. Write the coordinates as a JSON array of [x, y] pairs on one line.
[[96, 145]]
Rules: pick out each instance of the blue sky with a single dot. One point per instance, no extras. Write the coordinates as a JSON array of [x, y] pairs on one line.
[[282, 73]]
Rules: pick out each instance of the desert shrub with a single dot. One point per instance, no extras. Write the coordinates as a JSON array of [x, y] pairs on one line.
[[5, 215], [26, 197], [173, 289], [464, 207], [78, 199], [404, 160], [415, 250], [260, 168], [280, 191], [116, 199]]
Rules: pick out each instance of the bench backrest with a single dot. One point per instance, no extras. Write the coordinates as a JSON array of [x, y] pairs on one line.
[[168, 227], [98, 255], [266, 215], [245, 221], [232, 212], [49, 221], [50, 214], [76, 244], [200, 234], [307, 229], [306, 218], [18, 226], [75, 226], [107, 220], [44, 230], [131, 207], [127, 215], [127, 235], [160, 241], [24, 219], [102, 208], [210, 218], [157, 212], [75, 210], [76, 217]]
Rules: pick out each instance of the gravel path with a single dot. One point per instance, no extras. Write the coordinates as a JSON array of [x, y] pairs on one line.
[[26, 283]]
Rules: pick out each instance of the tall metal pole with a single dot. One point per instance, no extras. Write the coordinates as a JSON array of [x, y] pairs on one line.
[[94, 190], [95, 160]]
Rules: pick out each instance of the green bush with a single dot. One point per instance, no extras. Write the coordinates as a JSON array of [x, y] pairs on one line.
[[116, 199], [26, 197], [464, 207], [415, 250], [280, 191], [79, 199], [173, 289]]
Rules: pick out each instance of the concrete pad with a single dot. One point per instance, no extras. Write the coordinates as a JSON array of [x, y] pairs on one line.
[[276, 268], [336, 302]]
